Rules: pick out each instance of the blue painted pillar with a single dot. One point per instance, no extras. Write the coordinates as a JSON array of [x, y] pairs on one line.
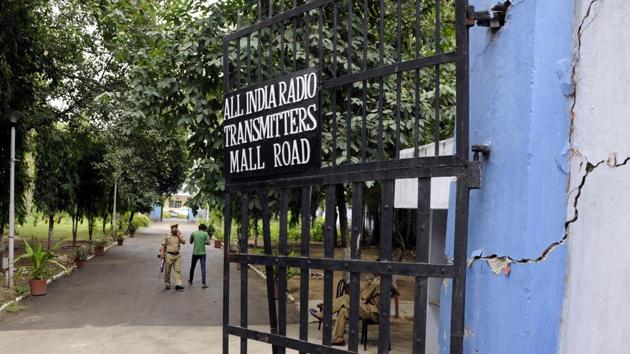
[[520, 84]]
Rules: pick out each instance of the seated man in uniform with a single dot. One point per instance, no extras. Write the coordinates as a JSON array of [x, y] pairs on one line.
[[369, 309], [170, 252]]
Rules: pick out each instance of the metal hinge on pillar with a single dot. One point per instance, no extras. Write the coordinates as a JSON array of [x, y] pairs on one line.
[[493, 18]]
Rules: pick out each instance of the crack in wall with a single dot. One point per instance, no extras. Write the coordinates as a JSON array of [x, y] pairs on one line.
[[501, 264], [576, 60]]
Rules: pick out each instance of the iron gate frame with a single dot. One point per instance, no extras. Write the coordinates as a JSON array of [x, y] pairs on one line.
[[466, 171]]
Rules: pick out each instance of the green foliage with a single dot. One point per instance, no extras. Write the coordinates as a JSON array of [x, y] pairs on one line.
[[317, 229], [291, 272], [81, 253], [100, 242], [55, 171], [22, 289], [139, 221], [40, 260]]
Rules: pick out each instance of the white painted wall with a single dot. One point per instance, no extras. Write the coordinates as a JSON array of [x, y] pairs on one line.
[[596, 311], [406, 189]]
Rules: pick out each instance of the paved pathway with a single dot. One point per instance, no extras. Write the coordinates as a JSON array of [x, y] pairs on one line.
[[118, 302]]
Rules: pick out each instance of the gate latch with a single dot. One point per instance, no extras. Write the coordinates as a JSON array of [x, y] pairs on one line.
[[493, 18], [480, 149]]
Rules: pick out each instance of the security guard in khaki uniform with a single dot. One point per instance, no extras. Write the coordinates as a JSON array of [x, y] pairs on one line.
[[369, 309], [170, 250]]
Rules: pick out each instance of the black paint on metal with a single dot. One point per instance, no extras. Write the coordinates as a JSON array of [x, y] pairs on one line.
[[244, 266], [423, 237], [305, 270], [329, 248], [271, 298]]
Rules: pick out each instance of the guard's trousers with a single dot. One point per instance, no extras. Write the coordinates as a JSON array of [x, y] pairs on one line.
[[172, 261]]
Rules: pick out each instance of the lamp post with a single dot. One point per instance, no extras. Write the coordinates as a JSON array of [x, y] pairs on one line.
[[114, 208], [14, 116]]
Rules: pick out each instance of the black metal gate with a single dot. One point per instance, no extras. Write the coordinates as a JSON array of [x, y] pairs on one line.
[[359, 145]]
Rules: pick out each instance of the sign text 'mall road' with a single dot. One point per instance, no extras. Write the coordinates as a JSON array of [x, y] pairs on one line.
[[273, 127]]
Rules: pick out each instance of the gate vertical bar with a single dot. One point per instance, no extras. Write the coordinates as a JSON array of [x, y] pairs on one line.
[[333, 151], [271, 299], [227, 230], [243, 249], [355, 278], [387, 228], [459, 281], [349, 88], [260, 39], [227, 216], [461, 124], [305, 272], [282, 250], [461, 204], [329, 248], [436, 96], [423, 221], [416, 79], [398, 76], [364, 91], [381, 54]]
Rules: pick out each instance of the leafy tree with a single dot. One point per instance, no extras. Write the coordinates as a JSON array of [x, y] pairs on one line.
[[55, 174]]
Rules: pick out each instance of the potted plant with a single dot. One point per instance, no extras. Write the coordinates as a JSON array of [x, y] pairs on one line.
[[80, 256], [39, 271], [99, 246], [120, 238]]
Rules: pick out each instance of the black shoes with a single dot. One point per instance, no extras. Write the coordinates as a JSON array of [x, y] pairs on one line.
[[168, 287], [204, 286], [179, 287]]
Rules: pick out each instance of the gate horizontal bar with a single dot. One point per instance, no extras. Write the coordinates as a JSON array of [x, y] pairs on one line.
[[390, 69], [277, 19], [286, 342], [348, 265], [420, 167]]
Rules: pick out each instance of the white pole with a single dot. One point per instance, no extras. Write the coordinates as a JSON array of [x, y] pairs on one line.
[[114, 209], [11, 209]]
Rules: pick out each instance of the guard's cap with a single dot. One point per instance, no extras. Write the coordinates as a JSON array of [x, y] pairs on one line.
[[174, 226]]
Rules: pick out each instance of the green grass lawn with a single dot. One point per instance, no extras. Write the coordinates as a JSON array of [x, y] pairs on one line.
[[61, 230]]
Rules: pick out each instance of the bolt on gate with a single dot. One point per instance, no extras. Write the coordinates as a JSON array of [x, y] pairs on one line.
[[325, 94]]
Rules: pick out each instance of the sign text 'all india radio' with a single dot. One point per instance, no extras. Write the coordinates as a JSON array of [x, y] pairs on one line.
[[273, 127]]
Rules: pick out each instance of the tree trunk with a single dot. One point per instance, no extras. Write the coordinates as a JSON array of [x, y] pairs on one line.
[[376, 232], [51, 224], [90, 226], [256, 232], [75, 226], [104, 223], [1, 232], [1, 238], [131, 215], [343, 214], [162, 210]]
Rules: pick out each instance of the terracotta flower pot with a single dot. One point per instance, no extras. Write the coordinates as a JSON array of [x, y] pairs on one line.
[[217, 243], [38, 287], [99, 250], [79, 262]]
